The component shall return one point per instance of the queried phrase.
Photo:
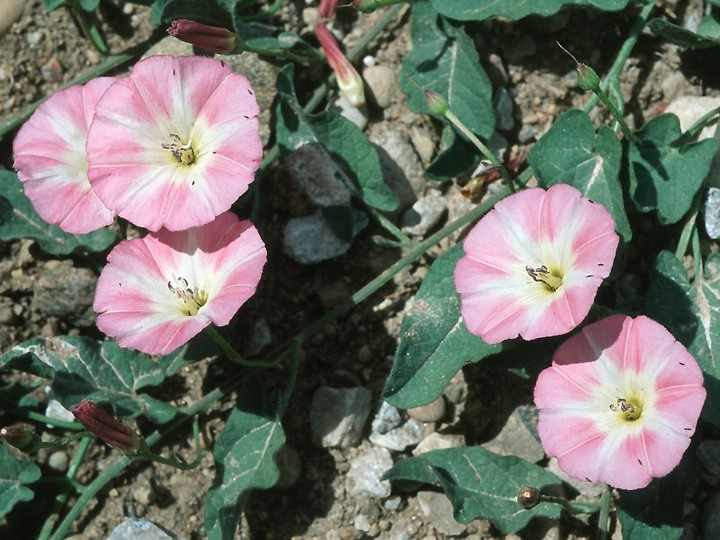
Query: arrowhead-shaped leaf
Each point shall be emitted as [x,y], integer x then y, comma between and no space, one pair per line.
[434,343]
[14,475]
[481,484]
[571,153]
[244,460]
[692,313]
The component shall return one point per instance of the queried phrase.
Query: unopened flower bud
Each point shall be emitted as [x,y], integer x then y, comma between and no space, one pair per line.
[21,437]
[588,79]
[210,38]
[327,8]
[528,497]
[436,103]
[107,428]
[349,81]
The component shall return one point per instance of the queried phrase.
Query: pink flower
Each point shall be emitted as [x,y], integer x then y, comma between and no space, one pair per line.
[213,39]
[533,264]
[620,402]
[50,159]
[349,81]
[175,143]
[157,292]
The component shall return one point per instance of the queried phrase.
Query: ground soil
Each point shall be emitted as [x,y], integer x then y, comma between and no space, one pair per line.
[41,52]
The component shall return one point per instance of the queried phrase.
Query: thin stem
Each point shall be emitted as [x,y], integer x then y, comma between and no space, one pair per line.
[294,368]
[623,53]
[480,146]
[697,254]
[369,6]
[571,508]
[389,226]
[62,497]
[266,13]
[616,114]
[42,419]
[604,516]
[687,231]
[232,354]
[693,130]
[181,463]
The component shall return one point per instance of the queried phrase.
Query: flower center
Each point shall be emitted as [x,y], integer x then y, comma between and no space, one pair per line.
[182,153]
[541,274]
[626,409]
[190,300]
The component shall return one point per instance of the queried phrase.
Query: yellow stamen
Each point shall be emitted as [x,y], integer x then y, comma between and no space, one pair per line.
[541,274]
[630,411]
[182,153]
[190,300]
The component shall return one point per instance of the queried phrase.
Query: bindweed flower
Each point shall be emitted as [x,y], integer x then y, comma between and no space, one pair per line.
[157,292]
[175,143]
[107,428]
[620,402]
[213,39]
[533,264]
[349,81]
[51,162]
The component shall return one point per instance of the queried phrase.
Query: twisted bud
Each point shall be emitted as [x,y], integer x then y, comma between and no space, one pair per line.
[213,39]
[107,428]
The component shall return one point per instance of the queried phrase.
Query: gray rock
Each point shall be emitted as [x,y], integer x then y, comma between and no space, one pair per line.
[396,146]
[689,109]
[711,213]
[386,419]
[425,214]
[361,523]
[310,239]
[312,168]
[58,460]
[439,441]
[55,410]
[382,83]
[10,13]
[423,143]
[64,291]
[404,436]
[138,529]
[258,338]
[337,416]
[289,466]
[366,470]
[438,509]
[503,105]
[708,454]
[527,133]
[519,436]
[710,521]
[432,412]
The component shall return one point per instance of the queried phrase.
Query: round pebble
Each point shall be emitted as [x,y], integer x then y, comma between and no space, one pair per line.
[58,461]
[432,412]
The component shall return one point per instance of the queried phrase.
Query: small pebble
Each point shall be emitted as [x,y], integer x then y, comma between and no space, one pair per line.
[432,412]
[58,461]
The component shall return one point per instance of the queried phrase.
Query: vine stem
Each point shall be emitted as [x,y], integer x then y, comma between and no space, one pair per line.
[604,516]
[623,53]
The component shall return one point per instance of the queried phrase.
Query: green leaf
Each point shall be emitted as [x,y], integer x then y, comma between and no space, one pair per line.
[103,373]
[89,5]
[656,512]
[434,343]
[710,26]
[343,140]
[571,153]
[680,36]
[244,459]
[456,155]
[444,60]
[478,10]
[481,484]
[14,475]
[664,175]
[692,314]
[52,5]
[214,12]
[19,220]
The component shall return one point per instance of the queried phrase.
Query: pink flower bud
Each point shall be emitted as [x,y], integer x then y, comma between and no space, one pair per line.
[107,428]
[327,8]
[210,38]
[349,81]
